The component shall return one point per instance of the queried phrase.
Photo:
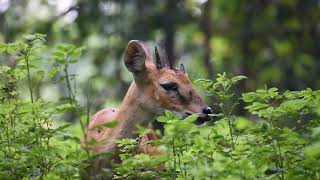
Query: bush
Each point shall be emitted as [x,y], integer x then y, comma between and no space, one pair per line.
[279,139]
[31,145]
[281,142]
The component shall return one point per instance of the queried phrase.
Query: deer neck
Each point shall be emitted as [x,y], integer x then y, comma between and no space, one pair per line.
[133,111]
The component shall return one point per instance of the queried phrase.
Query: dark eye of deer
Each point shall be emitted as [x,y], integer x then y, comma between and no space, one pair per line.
[170,86]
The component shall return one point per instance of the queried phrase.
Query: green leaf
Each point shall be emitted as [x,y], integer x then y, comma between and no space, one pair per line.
[30,37]
[242,123]
[238,78]
[62,127]
[169,114]
[53,71]
[111,124]
[249,97]
[40,73]
[4,69]
[3,47]
[65,107]
[72,61]
[69,137]
[63,47]
[162,119]
[191,118]
[257,106]
[205,83]
[58,54]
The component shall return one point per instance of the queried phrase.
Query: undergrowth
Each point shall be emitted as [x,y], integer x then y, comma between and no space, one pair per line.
[31,145]
[277,139]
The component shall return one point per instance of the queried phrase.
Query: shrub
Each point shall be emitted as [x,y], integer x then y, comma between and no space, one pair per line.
[278,139]
[278,144]
[31,146]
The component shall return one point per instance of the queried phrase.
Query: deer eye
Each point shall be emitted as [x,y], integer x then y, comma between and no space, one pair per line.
[170,86]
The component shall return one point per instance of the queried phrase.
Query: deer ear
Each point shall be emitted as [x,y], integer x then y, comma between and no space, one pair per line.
[135,57]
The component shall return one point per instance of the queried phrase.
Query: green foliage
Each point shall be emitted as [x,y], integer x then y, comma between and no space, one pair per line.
[32,146]
[267,147]
[279,139]
[135,165]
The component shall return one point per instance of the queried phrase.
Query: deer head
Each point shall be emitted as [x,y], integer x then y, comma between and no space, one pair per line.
[161,87]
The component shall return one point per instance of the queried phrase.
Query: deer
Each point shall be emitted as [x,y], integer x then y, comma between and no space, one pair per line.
[155,88]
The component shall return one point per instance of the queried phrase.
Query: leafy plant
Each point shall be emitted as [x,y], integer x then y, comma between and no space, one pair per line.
[279,138]
[30,145]
[280,142]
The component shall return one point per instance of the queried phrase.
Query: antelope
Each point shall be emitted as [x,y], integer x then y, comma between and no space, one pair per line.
[155,88]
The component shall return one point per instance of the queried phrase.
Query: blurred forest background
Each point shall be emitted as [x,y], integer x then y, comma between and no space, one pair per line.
[272,42]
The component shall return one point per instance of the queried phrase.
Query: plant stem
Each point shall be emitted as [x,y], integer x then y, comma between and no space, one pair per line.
[231,132]
[71,96]
[277,150]
[88,104]
[27,56]
[28,69]
[227,115]
[174,160]
[280,160]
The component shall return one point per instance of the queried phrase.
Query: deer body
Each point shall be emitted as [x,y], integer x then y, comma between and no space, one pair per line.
[131,112]
[155,88]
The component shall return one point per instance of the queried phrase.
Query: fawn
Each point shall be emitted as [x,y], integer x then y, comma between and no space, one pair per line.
[156,87]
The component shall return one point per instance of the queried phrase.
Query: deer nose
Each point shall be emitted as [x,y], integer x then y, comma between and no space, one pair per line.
[207,110]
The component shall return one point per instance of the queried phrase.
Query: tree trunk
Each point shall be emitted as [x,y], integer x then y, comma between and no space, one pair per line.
[207,32]
[169,30]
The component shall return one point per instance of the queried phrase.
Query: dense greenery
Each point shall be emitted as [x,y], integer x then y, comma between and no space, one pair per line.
[31,143]
[265,123]
[262,147]
[278,139]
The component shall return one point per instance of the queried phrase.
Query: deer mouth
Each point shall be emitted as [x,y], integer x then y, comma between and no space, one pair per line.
[202,118]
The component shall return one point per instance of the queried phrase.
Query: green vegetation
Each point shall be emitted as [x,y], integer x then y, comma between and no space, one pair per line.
[277,139]
[31,143]
[265,123]
[238,147]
